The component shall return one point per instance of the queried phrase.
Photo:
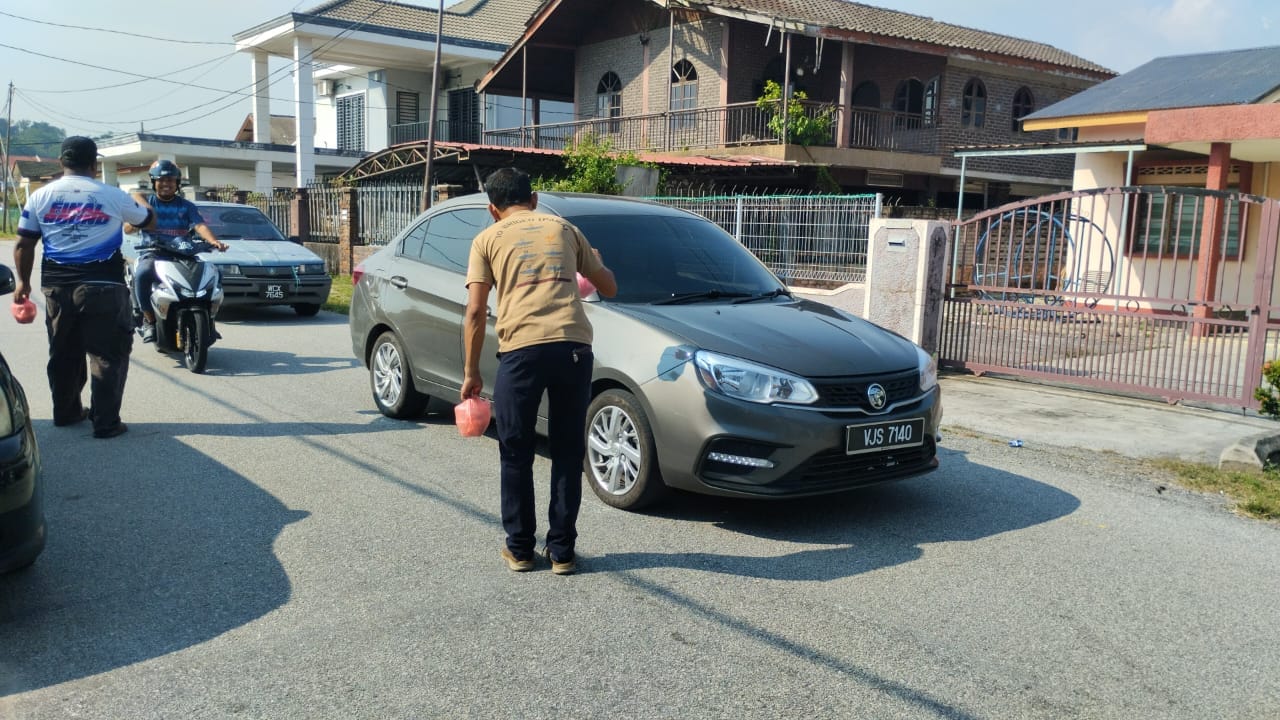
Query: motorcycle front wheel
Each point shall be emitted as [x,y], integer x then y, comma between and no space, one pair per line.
[195,340]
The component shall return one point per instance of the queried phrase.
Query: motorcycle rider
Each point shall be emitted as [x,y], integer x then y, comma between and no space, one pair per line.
[175,216]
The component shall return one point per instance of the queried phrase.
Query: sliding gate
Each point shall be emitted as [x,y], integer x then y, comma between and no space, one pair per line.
[1110,289]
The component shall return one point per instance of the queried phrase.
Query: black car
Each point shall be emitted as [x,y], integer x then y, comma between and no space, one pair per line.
[22,526]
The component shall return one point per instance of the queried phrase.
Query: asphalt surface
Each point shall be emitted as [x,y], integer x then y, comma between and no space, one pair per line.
[1043,415]
[264,544]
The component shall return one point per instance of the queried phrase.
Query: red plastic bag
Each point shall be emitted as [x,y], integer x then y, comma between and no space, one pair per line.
[585,288]
[24,312]
[472,416]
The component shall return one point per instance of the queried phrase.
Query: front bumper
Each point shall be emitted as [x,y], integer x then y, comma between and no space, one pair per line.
[804,448]
[241,290]
[22,527]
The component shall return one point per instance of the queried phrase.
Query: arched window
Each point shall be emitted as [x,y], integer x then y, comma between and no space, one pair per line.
[1023,104]
[974,111]
[930,106]
[609,99]
[684,95]
[908,100]
[867,95]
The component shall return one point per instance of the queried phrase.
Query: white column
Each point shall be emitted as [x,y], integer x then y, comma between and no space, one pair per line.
[261,100]
[262,176]
[304,112]
[109,176]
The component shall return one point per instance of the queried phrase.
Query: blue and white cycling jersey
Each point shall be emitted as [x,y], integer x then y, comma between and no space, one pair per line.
[79,219]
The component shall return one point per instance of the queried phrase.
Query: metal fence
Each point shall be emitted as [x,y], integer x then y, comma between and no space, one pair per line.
[799,237]
[323,205]
[386,210]
[276,207]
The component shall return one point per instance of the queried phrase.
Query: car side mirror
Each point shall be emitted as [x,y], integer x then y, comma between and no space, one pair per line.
[295,239]
[7,282]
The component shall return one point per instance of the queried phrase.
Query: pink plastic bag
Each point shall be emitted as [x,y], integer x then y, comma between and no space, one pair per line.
[585,288]
[24,312]
[472,416]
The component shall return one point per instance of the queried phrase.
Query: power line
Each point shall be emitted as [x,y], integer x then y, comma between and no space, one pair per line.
[115,32]
[220,58]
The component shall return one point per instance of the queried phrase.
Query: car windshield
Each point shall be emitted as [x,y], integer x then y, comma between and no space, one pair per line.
[239,223]
[658,258]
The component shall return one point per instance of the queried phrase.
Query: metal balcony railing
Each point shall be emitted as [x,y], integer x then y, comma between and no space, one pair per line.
[701,128]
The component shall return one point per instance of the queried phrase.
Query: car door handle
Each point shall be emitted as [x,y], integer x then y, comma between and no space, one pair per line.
[399,281]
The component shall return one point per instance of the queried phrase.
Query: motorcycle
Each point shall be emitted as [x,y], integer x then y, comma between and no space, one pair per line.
[185,296]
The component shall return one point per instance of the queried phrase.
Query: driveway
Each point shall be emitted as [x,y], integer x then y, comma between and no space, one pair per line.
[263,544]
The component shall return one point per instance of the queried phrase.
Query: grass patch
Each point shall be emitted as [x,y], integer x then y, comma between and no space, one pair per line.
[1256,492]
[339,295]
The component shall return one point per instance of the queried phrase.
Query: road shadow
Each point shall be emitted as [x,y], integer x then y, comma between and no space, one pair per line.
[226,360]
[144,557]
[863,530]
[276,316]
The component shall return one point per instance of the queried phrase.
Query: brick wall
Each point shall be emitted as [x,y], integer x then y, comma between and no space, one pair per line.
[698,42]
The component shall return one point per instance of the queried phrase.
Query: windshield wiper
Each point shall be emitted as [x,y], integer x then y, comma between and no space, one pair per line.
[695,296]
[764,296]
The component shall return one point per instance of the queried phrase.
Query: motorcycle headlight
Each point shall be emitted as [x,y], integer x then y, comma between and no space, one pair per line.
[745,380]
[229,269]
[928,366]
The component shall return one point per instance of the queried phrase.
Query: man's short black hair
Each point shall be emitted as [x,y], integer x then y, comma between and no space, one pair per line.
[508,186]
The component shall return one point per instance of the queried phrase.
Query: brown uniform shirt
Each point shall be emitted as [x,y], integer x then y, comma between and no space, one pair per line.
[531,259]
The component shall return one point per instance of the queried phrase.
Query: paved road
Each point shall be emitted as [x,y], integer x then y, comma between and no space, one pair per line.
[262,544]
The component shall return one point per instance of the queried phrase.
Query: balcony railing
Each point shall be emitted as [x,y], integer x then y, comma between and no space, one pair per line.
[717,127]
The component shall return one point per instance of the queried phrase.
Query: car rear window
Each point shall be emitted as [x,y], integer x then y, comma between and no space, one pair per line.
[654,257]
[241,223]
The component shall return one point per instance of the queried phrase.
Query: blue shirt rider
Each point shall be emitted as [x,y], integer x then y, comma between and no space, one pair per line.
[175,216]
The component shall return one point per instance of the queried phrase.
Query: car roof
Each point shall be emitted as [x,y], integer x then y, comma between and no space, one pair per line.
[576,204]
[210,203]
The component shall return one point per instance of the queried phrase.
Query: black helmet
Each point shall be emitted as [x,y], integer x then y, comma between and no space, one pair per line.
[165,168]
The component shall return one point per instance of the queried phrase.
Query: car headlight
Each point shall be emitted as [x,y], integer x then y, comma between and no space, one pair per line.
[10,416]
[928,366]
[229,269]
[311,269]
[748,381]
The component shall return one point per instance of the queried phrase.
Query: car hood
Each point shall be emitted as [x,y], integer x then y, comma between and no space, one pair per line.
[804,337]
[262,252]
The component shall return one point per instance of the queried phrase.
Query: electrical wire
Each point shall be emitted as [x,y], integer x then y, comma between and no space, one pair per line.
[115,32]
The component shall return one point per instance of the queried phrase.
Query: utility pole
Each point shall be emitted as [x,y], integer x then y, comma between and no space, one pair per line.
[431,114]
[7,175]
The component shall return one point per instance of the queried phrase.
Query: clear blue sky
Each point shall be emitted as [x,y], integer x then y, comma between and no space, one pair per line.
[1119,34]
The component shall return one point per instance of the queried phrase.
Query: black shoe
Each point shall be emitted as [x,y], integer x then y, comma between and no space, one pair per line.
[119,429]
[148,332]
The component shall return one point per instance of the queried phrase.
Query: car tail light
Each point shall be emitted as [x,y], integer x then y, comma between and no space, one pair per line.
[357,273]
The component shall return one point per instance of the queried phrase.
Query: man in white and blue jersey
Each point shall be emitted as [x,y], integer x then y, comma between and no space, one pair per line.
[79,222]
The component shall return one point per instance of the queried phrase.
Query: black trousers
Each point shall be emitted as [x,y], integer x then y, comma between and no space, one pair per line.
[563,371]
[93,319]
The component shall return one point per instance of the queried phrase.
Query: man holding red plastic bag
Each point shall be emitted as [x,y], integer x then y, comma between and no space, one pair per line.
[544,345]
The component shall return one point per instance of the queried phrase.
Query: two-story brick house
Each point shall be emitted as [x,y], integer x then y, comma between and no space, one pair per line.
[889,93]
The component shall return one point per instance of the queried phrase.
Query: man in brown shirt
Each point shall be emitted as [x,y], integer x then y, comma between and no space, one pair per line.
[544,345]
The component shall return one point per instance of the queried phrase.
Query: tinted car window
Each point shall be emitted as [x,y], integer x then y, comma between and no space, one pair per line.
[448,238]
[242,223]
[412,244]
[655,257]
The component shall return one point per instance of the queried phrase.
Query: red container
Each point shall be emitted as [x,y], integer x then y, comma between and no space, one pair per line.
[24,312]
[585,287]
[472,416]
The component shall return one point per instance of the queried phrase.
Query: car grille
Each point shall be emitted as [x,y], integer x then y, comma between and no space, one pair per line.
[852,392]
[833,470]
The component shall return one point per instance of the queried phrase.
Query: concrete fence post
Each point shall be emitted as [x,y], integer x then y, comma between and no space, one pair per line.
[300,216]
[348,228]
[906,276]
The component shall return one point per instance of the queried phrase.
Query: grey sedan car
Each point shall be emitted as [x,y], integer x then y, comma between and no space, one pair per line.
[709,376]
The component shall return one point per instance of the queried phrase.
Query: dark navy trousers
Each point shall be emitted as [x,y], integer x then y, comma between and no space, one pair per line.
[562,370]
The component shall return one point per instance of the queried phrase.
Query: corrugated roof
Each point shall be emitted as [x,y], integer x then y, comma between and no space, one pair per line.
[861,18]
[1232,77]
[499,22]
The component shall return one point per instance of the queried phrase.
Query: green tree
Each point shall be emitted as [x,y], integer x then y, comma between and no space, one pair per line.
[801,127]
[591,166]
[33,138]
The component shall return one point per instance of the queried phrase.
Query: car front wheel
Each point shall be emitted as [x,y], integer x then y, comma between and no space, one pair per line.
[621,459]
[306,309]
[392,381]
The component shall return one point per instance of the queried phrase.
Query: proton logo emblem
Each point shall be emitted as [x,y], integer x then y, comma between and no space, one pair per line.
[877,396]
